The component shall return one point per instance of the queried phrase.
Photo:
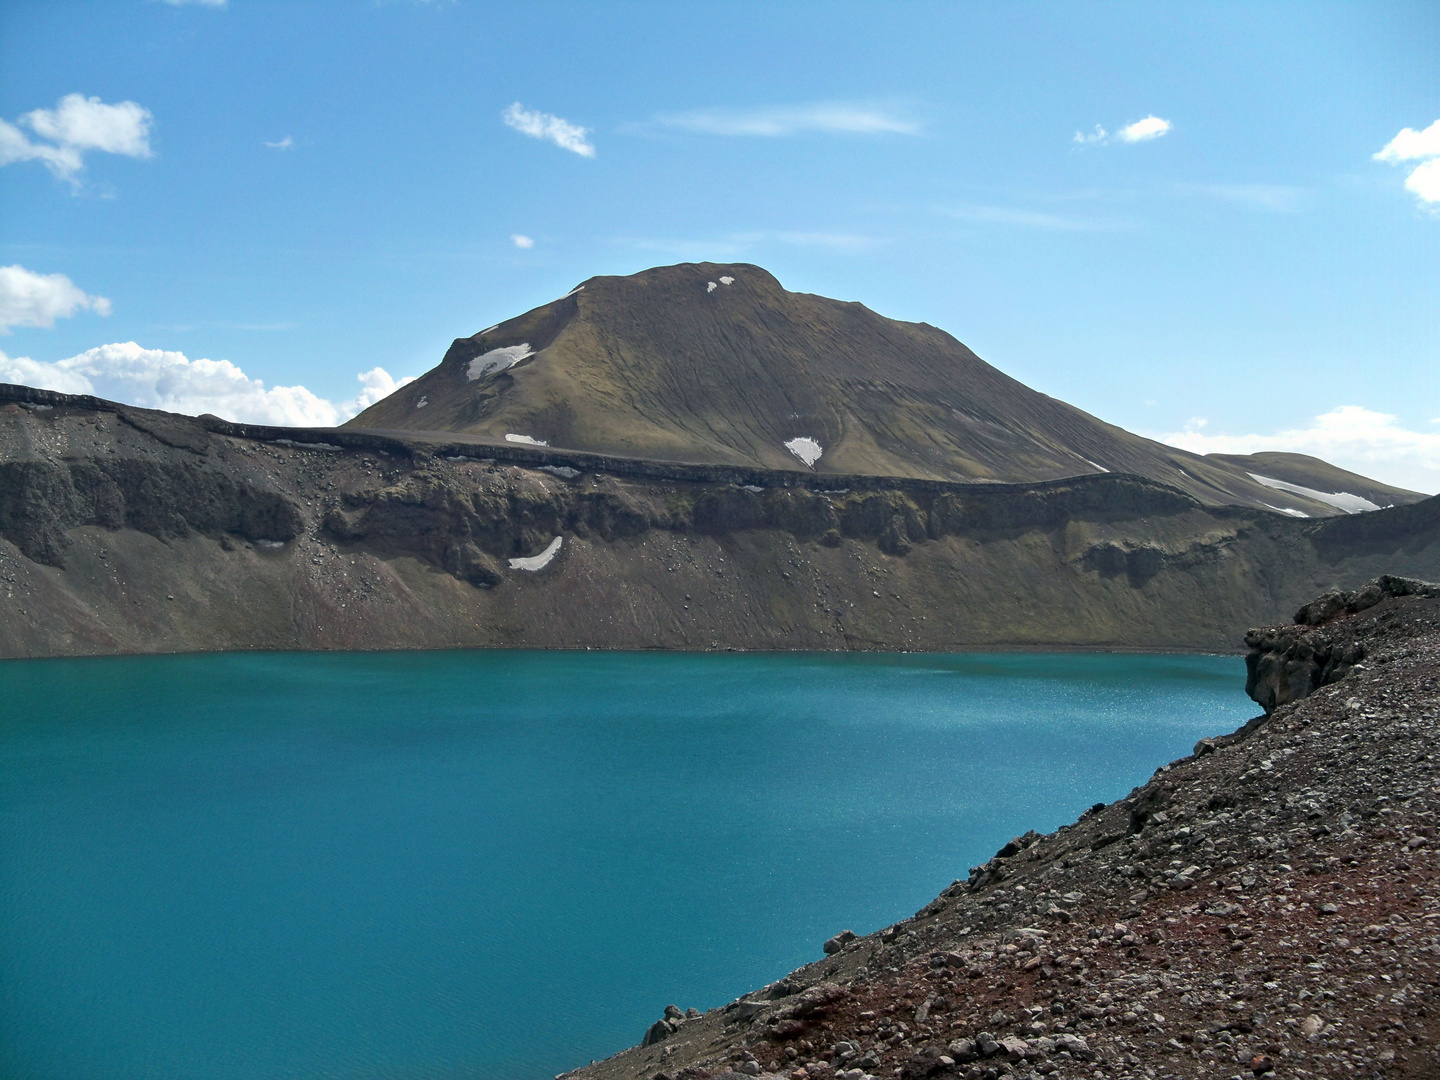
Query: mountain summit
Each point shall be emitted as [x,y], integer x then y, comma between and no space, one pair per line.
[718,363]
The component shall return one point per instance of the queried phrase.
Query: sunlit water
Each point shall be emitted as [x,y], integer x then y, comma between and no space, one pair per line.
[504,864]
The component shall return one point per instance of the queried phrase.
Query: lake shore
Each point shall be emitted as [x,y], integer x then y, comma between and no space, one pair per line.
[1264,906]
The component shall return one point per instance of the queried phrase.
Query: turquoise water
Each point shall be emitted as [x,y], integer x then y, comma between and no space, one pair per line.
[504,864]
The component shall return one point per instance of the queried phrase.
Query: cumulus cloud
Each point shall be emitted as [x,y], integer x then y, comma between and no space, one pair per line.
[75,126]
[31,299]
[779,121]
[1424,147]
[1350,436]
[539,125]
[159,379]
[1152,127]
[521,241]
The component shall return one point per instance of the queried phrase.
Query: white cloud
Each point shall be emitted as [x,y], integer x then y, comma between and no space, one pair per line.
[540,125]
[522,241]
[76,125]
[31,299]
[1152,127]
[1421,146]
[158,379]
[1355,438]
[284,144]
[1412,145]
[779,121]
[1099,135]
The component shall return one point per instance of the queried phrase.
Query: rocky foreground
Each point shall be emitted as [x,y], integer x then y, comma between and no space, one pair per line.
[1267,906]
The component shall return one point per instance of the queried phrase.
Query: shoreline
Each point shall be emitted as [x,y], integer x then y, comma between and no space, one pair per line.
[1265,906]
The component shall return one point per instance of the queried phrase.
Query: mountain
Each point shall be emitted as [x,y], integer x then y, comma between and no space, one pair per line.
[716,363]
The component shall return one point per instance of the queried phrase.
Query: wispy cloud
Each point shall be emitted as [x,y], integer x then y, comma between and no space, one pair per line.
[539,125]
[522,241]
[284,144]
[1421,146]
[74,127]
[737,245]
[160,379]
[1355,438]
[1029,219]
[31,299]
[779,121]
[1275,198]
[1152,127]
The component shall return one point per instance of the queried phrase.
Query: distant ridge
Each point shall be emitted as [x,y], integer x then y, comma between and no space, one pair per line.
[719,364]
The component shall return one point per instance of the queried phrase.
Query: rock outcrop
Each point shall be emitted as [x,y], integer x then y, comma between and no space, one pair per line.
[1286,663]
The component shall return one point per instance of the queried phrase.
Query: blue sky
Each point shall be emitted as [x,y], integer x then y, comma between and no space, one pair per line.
[301,193]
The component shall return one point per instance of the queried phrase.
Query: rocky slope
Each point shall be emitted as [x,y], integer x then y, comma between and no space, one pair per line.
[1267,906]
[720,364]
[126,530]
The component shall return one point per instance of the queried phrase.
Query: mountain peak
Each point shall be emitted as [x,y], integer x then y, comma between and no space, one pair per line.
[719,363]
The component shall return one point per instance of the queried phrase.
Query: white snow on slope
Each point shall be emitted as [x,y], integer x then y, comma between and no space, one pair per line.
[1341,500]
[1285,510]
[710,286]
[497,360]
[526,439]
[538,562]
[572,292]
[806,449]
[727,280]
[1093,465]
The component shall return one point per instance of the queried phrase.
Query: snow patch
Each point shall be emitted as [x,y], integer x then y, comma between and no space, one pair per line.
[806,449]
[1093,465]
[754,489]
[497,360]
[538,562]
[562,471]
[572,292]
[727,280]
[526,439]
[1341,500]
[710,286]
[270,545]
[422,402]
[1285,510]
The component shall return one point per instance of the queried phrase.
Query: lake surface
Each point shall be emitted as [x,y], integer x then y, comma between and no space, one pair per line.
[504,864]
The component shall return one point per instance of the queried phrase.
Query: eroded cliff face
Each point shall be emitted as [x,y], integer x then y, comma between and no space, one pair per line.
[1287,663]
[126,530]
